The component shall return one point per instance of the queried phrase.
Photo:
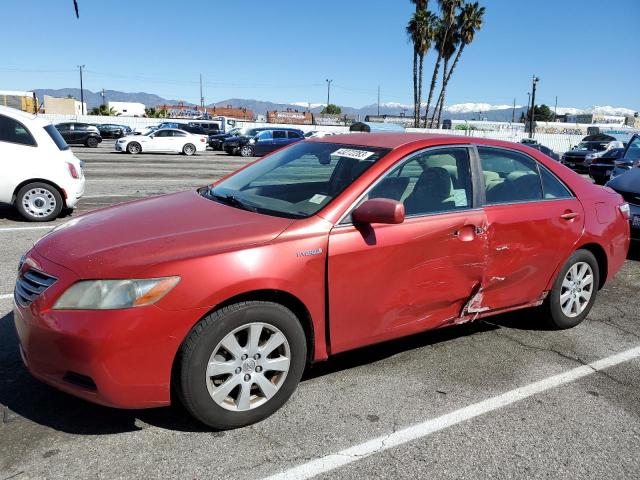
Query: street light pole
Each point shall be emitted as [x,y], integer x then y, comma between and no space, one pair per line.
[378,100]
[328,91]
[81,90]
[532,116]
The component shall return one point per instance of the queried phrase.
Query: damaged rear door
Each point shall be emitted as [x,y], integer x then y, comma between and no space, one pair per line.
[387,281]
[533,223]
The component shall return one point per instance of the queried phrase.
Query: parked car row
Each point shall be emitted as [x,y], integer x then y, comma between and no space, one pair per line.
[260,141]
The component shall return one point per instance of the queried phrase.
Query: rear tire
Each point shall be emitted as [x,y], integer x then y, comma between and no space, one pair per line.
[573,292]
[92,142]
[226,380]
[39,202]
[189,149]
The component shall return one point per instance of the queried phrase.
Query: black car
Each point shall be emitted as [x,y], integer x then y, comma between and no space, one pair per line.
[261,141]
[210,128]
[216,140]
[80,134]
[628,185]
[601,168]
[111,130]
[576,159]
[192,128]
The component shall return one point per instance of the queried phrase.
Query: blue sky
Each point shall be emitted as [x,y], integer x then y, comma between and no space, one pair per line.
[584,51]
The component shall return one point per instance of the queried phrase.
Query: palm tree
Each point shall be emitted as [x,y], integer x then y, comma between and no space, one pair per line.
[103,110]
[420,30]
[469,21]
[447,20]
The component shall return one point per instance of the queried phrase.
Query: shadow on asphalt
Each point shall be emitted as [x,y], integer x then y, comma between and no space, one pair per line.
[27,397]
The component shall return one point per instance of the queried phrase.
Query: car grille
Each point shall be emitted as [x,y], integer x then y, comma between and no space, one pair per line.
[31,284]
[571,159]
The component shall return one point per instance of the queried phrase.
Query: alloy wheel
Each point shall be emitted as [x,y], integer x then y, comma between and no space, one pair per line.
[577,289]
[248,367]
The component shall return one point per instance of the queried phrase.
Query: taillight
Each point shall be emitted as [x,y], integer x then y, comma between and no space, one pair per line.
[625,210]
[72,170]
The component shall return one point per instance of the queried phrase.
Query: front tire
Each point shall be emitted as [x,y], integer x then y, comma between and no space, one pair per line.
[240,364]
[574,291]
[246,151]
[134,148]
[39,202]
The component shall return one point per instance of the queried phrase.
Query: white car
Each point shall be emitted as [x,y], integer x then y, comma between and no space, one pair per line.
[166,140]
[40,174]
[319,134]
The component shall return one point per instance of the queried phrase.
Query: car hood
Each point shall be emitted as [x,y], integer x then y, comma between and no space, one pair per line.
[627,182]
[219,136]
[122,241]
[238,138]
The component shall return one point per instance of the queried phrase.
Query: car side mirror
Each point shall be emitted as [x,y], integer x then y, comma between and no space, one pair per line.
[379,210]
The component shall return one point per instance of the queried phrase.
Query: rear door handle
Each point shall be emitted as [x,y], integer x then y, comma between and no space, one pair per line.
[569,215]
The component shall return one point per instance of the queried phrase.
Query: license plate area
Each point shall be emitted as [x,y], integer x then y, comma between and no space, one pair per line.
[635,221]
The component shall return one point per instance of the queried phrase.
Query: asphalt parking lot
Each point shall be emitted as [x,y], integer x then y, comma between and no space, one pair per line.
[383,411]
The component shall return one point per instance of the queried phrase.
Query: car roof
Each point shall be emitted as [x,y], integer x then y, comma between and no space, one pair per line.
[22,116]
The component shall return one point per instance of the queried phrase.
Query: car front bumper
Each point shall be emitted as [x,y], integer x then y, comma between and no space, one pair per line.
[577,165]
[117,358]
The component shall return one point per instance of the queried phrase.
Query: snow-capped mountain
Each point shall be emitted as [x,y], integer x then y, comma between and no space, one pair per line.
[308,105]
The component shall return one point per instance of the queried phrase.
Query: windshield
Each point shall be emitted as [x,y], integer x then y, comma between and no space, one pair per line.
[234,131]
[298,181]
[592,146]
[56,137]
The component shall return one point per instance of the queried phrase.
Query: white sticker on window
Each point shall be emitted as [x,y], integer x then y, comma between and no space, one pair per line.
[317,198]
[460,198]
[353,153]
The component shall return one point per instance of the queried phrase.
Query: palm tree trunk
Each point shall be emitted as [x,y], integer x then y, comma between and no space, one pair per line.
[415,87]
[434,79]
[419,102]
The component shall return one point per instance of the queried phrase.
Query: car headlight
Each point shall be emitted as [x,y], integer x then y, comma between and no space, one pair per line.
[115,294]
[252,141]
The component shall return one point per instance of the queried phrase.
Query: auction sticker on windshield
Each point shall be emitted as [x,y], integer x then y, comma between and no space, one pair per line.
[352,153]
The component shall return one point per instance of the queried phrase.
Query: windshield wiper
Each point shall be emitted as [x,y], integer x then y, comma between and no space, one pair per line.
[232,200]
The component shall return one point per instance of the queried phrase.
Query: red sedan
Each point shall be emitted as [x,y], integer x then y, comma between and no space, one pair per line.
[224,294]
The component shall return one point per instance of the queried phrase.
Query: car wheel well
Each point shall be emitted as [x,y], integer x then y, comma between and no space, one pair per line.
[276,296]
[601,258]
[39,180]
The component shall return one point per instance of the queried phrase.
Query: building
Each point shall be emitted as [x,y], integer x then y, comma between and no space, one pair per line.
[25,101]
[63,106]
[128,109]
[192,111]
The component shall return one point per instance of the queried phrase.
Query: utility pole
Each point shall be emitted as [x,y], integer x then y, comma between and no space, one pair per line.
[555,109]
[532,116]
[513,112]
[378,100]
[201,96]
[104,97]
[81,90]
[328,90]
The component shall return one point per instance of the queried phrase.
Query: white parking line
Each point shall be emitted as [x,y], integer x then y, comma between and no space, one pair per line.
[17,229]
[400,437]
[4,297]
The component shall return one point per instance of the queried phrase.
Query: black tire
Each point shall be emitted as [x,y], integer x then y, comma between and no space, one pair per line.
[189,149]
[190,372]
[555,316]
[134,148]
[31,195]
[246,151]
[92,142]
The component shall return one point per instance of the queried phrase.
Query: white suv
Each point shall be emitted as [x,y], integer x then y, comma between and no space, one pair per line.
[40,175]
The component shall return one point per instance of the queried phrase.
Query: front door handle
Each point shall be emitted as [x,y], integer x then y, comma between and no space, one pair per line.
[569,215]
[466,233]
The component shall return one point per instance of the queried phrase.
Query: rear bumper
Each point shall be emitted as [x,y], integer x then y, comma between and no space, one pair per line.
[74,192]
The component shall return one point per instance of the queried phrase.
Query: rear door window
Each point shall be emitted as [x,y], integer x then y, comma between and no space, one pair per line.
[12,131]
[552,187]
[509,176]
